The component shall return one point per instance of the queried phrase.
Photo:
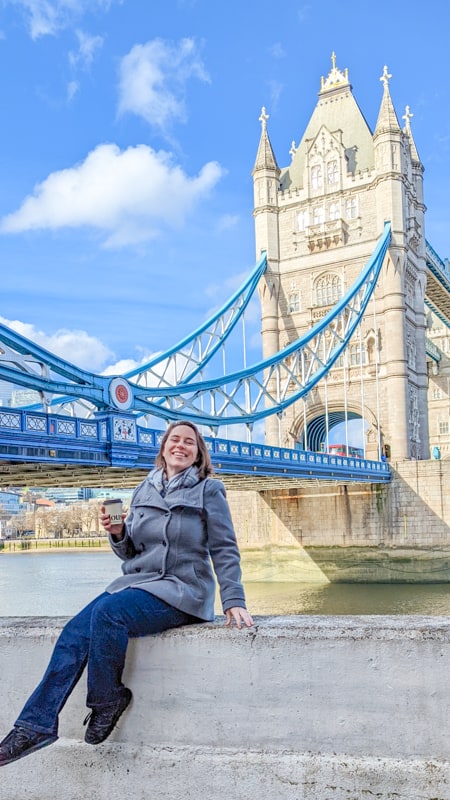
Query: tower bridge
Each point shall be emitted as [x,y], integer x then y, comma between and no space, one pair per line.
[355,317]
[318,219]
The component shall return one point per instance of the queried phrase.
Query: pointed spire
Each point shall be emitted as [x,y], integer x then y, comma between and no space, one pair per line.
[387,118]
[407,116]
[335,79]
[265,158]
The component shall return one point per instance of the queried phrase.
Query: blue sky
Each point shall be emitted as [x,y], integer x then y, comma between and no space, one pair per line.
[129,133]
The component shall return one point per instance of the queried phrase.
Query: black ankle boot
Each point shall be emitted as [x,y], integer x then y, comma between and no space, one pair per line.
[21,742]
[102,720]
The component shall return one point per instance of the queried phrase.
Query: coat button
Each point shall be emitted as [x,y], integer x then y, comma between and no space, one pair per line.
[164,544]
[160,571]
[138,569]
[141,514]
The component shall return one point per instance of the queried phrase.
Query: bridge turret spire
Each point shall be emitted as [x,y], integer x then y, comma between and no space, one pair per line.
[387,118]
[265,157]
[407,116]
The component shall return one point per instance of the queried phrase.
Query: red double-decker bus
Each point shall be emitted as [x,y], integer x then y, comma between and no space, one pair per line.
[345,450]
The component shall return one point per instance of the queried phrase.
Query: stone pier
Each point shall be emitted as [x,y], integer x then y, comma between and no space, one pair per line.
[393,533]
[298,708]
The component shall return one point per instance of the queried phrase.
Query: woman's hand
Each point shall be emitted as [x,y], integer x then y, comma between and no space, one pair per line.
[116,531]
[239,615]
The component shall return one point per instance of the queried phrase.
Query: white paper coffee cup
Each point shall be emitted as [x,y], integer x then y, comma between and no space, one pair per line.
[114,508]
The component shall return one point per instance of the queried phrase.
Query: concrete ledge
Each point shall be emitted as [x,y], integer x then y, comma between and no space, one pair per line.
[73,771]
[299,707]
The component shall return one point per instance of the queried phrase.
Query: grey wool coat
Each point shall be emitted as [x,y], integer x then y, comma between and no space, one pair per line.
[169,543]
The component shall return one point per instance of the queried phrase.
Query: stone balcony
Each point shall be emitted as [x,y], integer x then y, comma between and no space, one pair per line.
[326,235]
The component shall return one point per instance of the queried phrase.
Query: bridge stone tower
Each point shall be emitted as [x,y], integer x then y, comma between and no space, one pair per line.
[319,220]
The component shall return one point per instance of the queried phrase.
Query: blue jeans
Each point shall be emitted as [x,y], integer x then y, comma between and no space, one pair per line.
[97,636]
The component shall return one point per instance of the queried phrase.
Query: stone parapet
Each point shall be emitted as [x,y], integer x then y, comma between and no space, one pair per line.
[295,709]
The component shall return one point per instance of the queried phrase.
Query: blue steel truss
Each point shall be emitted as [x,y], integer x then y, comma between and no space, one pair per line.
[159,390]
[190,356]
[24,363]
[274,384]
[186,359]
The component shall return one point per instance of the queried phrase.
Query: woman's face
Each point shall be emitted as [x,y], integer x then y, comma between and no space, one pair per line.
[180,451]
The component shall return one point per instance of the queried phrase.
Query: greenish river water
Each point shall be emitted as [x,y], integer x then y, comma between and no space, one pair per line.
[49,584]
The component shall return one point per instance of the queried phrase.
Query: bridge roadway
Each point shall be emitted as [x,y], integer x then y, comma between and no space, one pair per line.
[38,449]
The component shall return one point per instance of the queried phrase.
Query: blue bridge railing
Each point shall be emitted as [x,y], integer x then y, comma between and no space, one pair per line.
[115,440]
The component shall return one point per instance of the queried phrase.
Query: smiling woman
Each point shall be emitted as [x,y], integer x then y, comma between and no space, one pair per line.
[179,522]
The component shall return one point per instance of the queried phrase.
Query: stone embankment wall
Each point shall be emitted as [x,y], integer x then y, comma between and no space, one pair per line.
[298,708]
[357,532]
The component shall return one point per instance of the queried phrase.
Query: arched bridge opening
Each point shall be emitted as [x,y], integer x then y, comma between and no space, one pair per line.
[329,430]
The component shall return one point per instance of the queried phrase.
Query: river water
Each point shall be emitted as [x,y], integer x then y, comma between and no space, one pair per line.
[59,584]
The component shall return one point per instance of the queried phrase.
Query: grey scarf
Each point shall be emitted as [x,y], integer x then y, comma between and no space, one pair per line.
[163,485]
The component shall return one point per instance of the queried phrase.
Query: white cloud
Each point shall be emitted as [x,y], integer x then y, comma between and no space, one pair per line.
[75,346]
[124,365]
[80,348]
[48,17]
[220,291]
[277,50]
[130,195]
[227,222]
[82,59]
[303,13]
[72,89]
[275,91]
[153,78]
[87,46]
[43,18]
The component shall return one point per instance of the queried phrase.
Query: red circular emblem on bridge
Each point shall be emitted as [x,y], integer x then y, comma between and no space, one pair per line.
[120,393]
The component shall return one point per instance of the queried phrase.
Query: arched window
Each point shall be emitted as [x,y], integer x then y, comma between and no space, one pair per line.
[328,289]
[332,172]
[316,177]
[294,302]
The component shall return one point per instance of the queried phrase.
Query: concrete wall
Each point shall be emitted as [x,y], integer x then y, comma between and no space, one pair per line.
[298,708]
[357,532]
